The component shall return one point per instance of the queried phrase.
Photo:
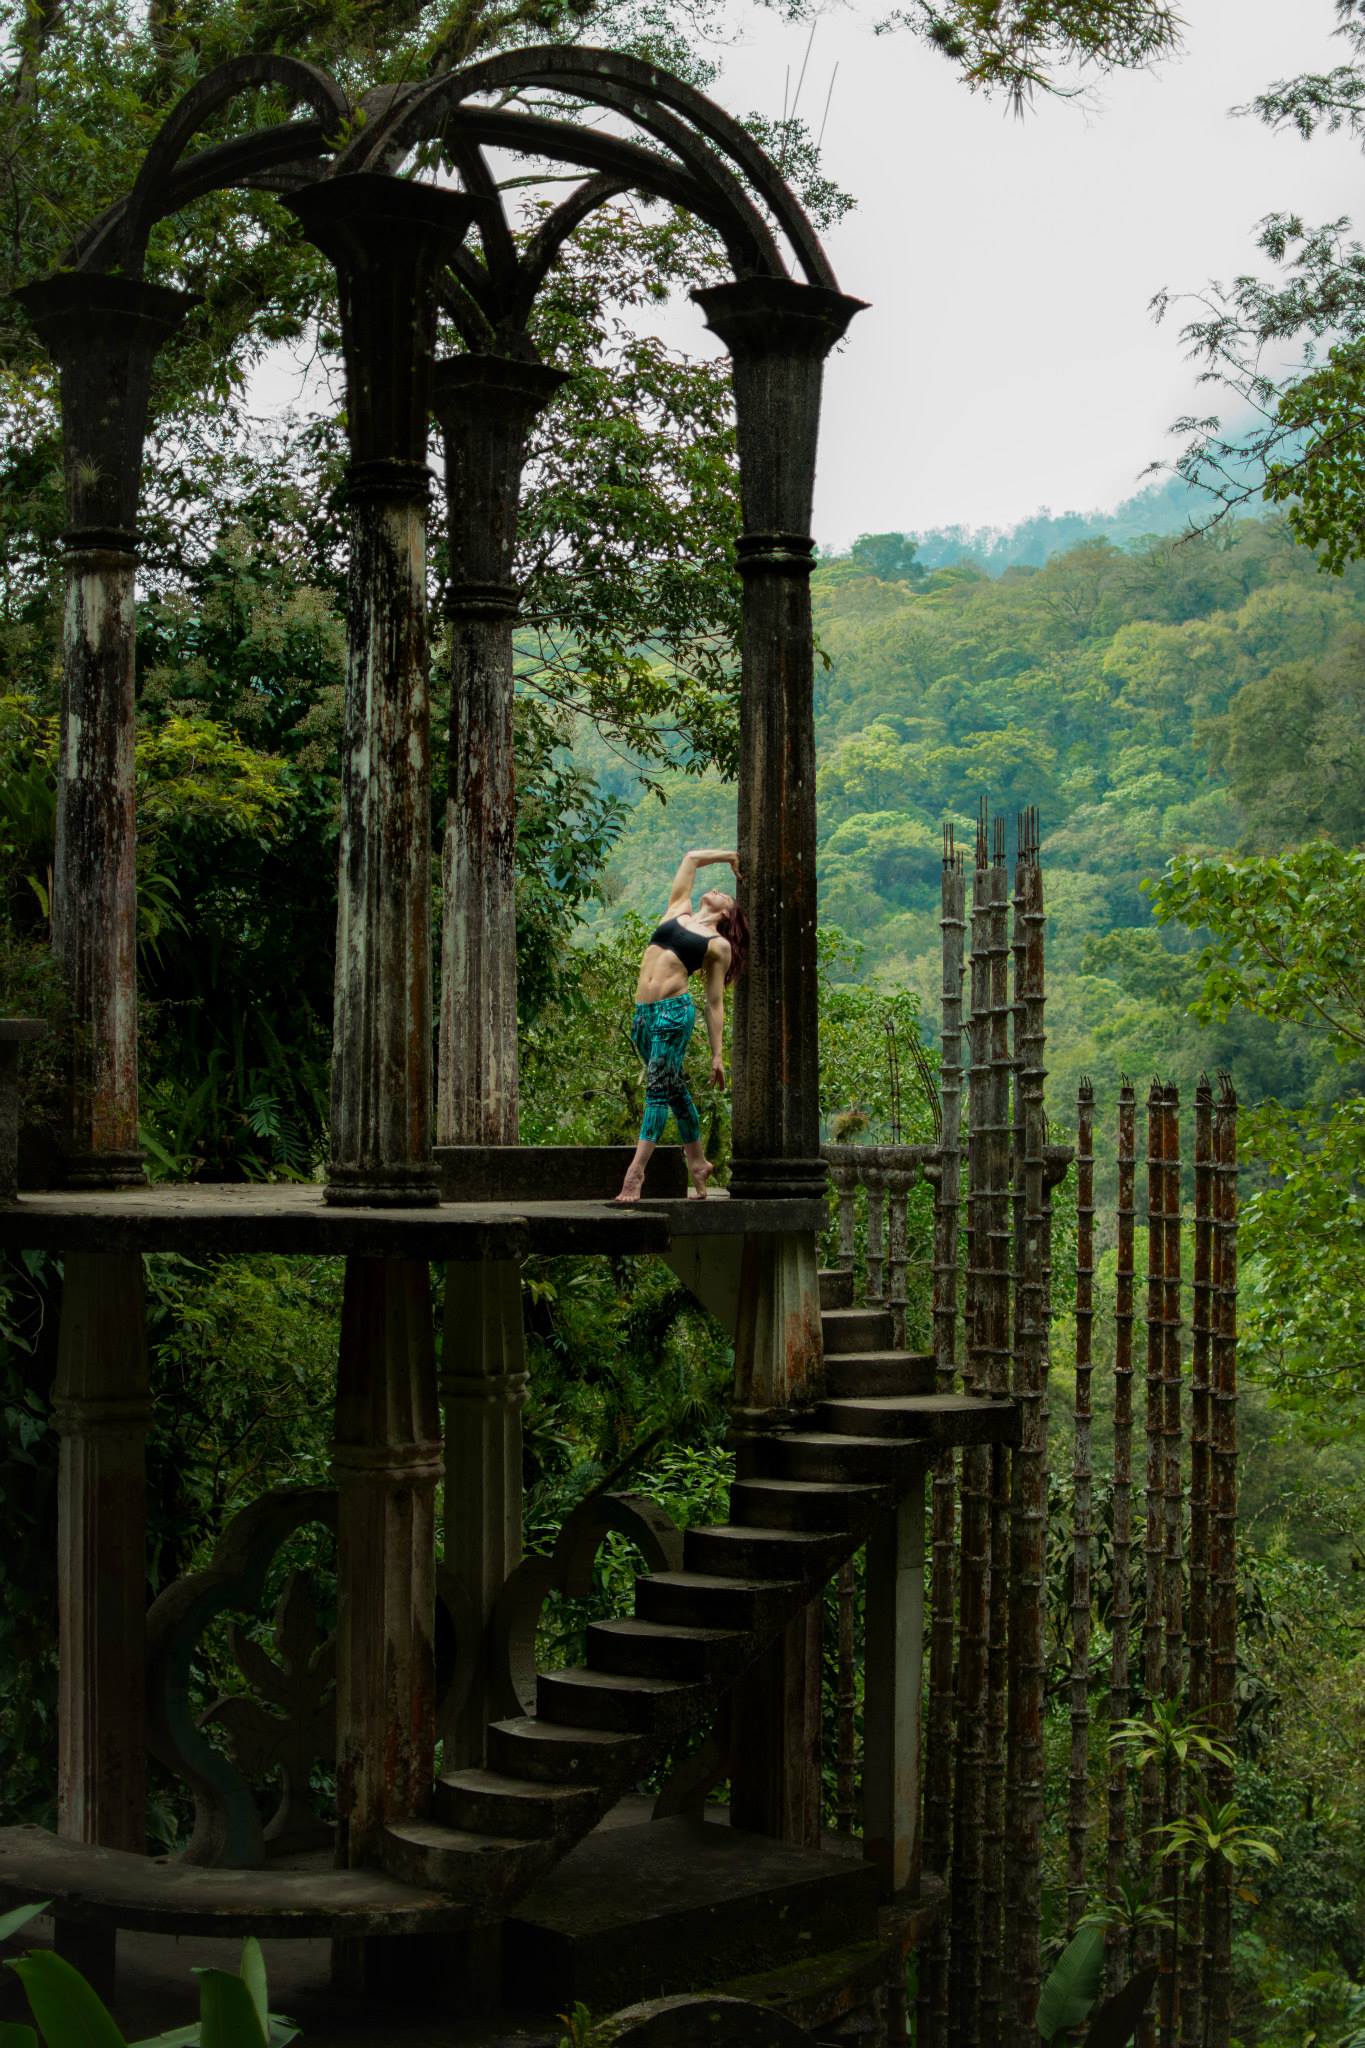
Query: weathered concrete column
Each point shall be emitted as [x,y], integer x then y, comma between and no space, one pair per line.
[103,333]
[486,406]
[103,1406]
[892,1667]
[387,1458]
[483,1391]
[778,334]
[386,239]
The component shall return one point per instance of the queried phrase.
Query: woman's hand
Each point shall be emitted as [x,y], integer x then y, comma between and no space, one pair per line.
[717,1073]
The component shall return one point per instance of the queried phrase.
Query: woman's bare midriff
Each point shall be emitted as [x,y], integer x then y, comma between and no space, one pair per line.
[662,974]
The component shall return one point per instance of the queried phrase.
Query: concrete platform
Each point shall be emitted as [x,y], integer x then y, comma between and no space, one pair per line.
[208,1220]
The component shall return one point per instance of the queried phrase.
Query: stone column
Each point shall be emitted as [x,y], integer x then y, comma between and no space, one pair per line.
[486,406]
[386,239]
[103,333]
[387,1458]
[893,1664]
[778,334]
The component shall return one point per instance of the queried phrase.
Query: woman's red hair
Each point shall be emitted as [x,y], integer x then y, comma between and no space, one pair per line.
[734,926]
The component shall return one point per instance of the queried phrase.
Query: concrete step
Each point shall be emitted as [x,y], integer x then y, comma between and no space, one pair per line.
[763,1553]
[678,1905]
[483,1869]
[840,1459]
[851,1373]
[799,1504]
[836,1287]
[930,1418]
[856,1329]
[704,1600]
[560,1753]
[490,1803]
[651,1649]
[580,1698]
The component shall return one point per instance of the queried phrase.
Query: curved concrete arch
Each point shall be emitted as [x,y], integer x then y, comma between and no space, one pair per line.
[645,93]
[151,189]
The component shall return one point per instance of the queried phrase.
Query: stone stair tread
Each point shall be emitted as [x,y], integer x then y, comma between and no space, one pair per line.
[911,1405]
[582,1675]
[687,1632]
[434,1834]
[498,1784]
[779,1538]
[534,1727]
[703,1581]
[818,1486]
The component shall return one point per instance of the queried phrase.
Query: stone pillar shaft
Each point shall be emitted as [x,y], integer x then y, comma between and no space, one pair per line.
[483,1391]
[486,406]
[386,239]
[103,333]
[893,1661]
[778,334]
[388,1458]
[103,1407]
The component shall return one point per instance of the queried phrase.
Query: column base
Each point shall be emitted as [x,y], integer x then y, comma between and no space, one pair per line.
[383,1187]
[778,1179]
[103,1170]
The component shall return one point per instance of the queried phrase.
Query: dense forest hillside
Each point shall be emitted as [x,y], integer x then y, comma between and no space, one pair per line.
[1176,697]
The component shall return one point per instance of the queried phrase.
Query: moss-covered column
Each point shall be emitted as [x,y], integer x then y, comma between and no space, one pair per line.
[486,406]
[778,334]
[103,333]
[386,239]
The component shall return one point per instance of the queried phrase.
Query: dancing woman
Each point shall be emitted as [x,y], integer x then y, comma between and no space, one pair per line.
[713,939]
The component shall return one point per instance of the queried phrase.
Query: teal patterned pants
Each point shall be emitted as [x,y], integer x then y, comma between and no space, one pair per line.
[660,1033]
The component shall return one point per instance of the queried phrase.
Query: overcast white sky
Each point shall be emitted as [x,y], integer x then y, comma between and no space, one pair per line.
[1009,361]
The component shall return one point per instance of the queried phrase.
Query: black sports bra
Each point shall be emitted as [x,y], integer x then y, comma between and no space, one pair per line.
[689,947]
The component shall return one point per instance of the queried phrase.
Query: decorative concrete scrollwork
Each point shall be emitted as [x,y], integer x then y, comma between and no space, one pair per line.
[568,1569]
[286,1722]
[228,1831]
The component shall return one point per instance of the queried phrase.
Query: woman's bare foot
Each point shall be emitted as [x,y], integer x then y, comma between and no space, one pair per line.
[632,1187]
[700,1176]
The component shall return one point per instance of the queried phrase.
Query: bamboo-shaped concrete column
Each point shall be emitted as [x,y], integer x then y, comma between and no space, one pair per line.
[1029,1497]
[1078,1826]
[386,239]
[945,1171]
[1201,1323]
[1222,1548]
[485,406]
[1120,1625]
[974,1537]
[778,334]
[994,1353]
[104,333]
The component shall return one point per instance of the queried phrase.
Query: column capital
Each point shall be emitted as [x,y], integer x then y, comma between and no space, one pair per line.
[386,238]
[776,316]
[103,333]
[516,385]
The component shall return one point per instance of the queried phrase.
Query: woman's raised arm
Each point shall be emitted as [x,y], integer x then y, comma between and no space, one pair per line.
[702,857]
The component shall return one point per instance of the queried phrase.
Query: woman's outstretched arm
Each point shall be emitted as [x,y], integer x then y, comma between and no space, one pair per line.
[703,857]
